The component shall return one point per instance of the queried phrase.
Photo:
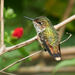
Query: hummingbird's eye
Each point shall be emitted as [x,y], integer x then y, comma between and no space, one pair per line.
[39,23]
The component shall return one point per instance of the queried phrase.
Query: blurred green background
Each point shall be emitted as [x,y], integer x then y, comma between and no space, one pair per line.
[53,9]
[14,12]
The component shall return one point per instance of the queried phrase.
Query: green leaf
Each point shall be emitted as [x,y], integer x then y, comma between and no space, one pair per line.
[63,64]
[10,13]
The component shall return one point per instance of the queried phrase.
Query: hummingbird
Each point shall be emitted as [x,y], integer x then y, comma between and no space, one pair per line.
[47,36]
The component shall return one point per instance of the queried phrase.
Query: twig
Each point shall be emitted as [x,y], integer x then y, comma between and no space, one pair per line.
[2,23]
[19,60]
[67,38]
[2,46]
[19,45]
[7,73]
[58,26]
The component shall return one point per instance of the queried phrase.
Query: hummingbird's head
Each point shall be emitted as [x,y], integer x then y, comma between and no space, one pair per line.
[41,23]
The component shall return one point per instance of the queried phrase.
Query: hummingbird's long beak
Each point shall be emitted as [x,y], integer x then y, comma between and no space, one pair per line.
[29,18]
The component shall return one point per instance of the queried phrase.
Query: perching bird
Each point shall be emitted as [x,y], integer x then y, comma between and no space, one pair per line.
[47,36]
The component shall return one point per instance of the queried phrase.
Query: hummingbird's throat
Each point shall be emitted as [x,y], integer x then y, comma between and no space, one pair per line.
[38,28]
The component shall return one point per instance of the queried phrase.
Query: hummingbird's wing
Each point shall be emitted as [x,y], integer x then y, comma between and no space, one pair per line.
[44,44]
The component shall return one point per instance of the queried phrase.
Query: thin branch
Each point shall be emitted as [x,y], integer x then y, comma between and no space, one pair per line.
[58,26]
[7,73]
[66,38]
[19,45]
[2,23]
[22,44]
[19,61]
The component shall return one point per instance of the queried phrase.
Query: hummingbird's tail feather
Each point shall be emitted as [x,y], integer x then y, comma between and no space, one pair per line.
[56,54]
[58,58]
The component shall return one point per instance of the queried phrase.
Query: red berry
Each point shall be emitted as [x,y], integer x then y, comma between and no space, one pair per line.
[18,32]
